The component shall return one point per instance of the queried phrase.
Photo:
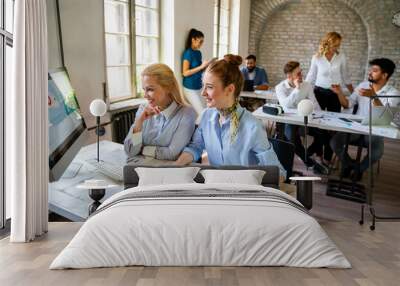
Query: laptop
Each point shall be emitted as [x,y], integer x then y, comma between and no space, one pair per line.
[248,85]
[381,115]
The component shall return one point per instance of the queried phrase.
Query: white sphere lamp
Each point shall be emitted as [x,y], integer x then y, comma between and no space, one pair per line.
[98,108]
[305,108]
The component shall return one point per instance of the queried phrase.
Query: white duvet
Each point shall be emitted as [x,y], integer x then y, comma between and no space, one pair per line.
[200,231]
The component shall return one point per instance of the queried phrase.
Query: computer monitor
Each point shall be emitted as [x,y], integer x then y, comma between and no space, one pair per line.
[248,85]
[67,128]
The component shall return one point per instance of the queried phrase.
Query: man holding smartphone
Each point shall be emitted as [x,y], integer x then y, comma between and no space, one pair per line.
[380,71]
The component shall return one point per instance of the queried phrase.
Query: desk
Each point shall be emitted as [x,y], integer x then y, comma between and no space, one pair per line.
[330,121]
[267,95]
[251,100]
[66,199]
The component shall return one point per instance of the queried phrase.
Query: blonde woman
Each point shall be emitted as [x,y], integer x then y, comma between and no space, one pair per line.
[163,126]
[329,69]
[230,134]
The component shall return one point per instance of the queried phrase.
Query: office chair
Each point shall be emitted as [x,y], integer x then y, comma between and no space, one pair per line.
[285,152]
[340,188]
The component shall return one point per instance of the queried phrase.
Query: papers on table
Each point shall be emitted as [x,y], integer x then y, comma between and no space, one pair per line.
[330,121]
[116,157]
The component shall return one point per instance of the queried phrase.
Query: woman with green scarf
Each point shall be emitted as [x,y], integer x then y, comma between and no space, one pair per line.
[230,134]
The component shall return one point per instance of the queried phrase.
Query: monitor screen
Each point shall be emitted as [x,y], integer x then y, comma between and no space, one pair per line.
[65,121]
[248,85]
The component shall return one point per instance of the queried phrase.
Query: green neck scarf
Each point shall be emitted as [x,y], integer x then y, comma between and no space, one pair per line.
[232,111]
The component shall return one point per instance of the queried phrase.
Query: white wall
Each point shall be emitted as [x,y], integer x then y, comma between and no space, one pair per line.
[244,27]
[82,28]
[167,32]
[178,17]
[176,21]
[234,27]
[54,50]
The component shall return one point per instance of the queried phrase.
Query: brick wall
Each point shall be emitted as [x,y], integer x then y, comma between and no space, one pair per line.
[290,30]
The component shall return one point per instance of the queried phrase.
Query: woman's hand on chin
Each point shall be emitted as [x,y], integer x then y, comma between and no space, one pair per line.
[149,111]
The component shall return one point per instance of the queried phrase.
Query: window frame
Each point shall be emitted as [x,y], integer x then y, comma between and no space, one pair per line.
[131,58]
[135,93]
[219,27]
[139,93]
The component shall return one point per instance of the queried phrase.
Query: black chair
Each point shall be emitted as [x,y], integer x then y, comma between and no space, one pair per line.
[285,152]
[341,188]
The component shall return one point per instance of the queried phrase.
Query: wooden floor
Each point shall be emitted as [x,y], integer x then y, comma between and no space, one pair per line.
[386,193]
[374,255]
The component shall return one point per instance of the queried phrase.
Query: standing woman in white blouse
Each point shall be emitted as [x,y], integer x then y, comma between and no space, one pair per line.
[329,68]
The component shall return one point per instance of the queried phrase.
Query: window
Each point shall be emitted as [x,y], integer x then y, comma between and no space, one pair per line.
[147,16]
[123,69]
[6,43]
[118,49]
[221,27]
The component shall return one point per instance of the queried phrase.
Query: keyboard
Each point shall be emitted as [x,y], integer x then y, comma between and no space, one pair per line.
[115,172]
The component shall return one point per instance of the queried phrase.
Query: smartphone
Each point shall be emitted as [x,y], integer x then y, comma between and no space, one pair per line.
[345,120]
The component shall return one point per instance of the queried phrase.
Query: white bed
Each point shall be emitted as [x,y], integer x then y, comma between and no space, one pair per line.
[224,225]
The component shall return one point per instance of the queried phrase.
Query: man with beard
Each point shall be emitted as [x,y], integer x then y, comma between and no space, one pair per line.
[378,76]
[254,73]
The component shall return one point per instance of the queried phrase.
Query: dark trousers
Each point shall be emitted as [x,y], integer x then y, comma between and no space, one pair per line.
[338,143]
[321,138]
[327,99]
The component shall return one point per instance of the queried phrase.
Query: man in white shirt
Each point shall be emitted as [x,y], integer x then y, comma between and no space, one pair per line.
[293,89]
[378,76]
[290,92]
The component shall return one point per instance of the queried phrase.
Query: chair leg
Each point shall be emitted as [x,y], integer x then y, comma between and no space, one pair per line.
[271,128]
[345,151]
[333,164]
[358,162]
[378,169]
[347,190]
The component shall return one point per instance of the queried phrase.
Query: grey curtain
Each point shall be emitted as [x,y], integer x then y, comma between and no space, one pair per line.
[27,124]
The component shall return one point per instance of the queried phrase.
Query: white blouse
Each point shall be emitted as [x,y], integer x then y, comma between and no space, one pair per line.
[324,73]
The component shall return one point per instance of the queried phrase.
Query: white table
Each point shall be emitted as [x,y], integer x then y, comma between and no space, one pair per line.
[330,121]
[65,197]
[268,95]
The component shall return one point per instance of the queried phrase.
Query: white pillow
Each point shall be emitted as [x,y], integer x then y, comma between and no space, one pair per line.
[166,176]
[248,177]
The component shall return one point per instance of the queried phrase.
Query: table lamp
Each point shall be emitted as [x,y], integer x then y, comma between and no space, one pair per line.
[98,108]
[305,108]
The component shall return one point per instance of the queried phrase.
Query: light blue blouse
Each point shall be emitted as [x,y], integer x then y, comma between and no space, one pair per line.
[251,146]
[169,132]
